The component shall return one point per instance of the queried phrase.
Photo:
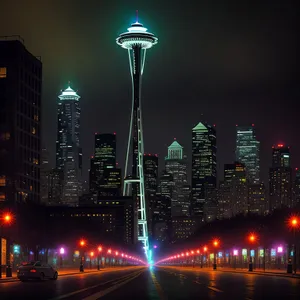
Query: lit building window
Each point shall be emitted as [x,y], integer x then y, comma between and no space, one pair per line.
[33,131]
[3,72]
[2,181]
[2,197]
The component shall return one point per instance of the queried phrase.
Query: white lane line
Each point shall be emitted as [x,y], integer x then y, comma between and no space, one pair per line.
[89,288]
[215,289]
[110,289]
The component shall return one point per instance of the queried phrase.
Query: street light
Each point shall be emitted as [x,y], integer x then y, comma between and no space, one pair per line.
[294,223]
[252,238]
[82,244]
[98,259]
[216,244]
[6,219]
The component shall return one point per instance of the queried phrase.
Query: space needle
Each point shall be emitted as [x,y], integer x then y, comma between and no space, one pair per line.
[136,40]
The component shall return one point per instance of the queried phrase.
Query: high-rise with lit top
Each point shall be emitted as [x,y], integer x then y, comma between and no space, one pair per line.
[136,40]
[68,150]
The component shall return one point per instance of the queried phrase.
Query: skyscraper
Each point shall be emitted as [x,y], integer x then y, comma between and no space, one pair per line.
[151,179]
[20,122]
[247,152]
[175,164]
[104,176]
[280,178]
[68,150]
[137,40]
[204,165]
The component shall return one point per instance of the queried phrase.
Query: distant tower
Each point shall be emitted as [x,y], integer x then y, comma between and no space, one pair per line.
[247,152]
[175,164]
[68,150]
[137,40]
[204,165]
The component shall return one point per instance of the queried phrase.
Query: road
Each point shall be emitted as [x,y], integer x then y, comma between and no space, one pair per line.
[155,284]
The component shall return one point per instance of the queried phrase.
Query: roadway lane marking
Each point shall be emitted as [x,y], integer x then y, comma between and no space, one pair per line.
[92,287]
[215,289]
[157,286]
[111,289]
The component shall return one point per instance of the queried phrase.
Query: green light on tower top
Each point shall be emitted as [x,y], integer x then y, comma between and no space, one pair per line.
[69,94]
[137,35]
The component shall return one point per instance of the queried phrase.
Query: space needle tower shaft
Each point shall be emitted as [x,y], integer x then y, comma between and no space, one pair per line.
[136,40]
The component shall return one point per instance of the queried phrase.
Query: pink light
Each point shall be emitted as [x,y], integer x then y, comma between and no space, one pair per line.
[62,251]
[280,249]
[235,252]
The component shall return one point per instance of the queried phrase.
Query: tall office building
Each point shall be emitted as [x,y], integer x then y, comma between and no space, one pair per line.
[176,165]
[204,165]
[296,188]
[44,170]
[68,150]
[247,152]
[105,177]
[151,180]
[162,220]
[257,203]
[235,177]
[280,178]
[20,122]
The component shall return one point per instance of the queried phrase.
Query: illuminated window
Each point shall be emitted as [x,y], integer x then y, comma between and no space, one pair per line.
[36,117]
[3,72]
[2,197]
[2,181]
[35,161]
[33,131]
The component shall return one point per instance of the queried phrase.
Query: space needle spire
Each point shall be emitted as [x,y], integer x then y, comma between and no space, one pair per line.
[136,40]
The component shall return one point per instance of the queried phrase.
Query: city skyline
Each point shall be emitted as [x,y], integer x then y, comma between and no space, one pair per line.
[192,77]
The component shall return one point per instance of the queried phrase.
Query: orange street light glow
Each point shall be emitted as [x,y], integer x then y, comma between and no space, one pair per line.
[294,222]
[252,237]
[7,218]
[99,248]
[92,253]
[216,243]
[204,248]
[82,243]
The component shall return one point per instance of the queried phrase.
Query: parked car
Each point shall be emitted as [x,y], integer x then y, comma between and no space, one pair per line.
[36,270]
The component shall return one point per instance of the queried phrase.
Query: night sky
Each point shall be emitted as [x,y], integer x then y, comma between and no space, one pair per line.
[227,64]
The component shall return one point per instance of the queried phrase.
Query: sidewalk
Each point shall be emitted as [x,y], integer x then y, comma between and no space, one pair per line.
[68,271]
[268,272]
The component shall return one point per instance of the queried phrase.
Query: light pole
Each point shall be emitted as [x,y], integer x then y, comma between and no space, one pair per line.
[6,219]
[82,244]
[61,252]
[91,257]
[216,244]
[294,223]
[98,259]
[252,239]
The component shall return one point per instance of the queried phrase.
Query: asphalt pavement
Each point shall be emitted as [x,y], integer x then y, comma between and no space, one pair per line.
[159,283]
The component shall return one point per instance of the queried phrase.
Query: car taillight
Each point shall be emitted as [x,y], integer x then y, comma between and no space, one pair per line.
[33,270]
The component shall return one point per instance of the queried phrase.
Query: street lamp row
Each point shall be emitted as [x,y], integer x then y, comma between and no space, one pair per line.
[293,222]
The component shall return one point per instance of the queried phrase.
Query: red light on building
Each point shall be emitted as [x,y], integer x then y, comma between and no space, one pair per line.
[115,133]
[280,145]
[252,125]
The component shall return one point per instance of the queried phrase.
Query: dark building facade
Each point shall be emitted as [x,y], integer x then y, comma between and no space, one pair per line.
[102,179]
[247,152]
[108,219]
[204,165]
[20,122]
[280,178]
[151,180]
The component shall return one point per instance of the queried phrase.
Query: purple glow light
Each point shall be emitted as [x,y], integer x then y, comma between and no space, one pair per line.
[62,251]
[280,249]
[235,252]
[154,246]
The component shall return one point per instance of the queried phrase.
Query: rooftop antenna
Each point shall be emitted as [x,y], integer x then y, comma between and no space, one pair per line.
[137,16]
[69,83]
